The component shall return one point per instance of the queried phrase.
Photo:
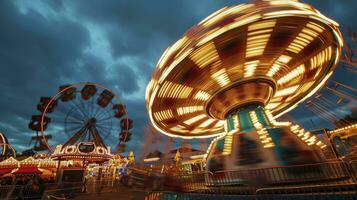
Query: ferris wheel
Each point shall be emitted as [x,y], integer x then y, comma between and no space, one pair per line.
[82,118]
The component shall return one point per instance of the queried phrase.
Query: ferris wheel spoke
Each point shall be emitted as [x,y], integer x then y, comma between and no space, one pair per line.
[105,112]
[80,110]
[60,110]
[73,122]
[111,127]
[101,113]
[84,109]
[104,127]
[107,118]
[92,106]
[104,132]
[73,128]
[106,122]
[96,111]
[70,114]
[75,117]
[64,122]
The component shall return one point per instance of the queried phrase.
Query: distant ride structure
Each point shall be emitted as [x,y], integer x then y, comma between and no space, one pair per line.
[6,149]
[234,73]
[85,121]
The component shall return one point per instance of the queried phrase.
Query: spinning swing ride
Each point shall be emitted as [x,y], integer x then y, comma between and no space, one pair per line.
[234,73]
[83,121]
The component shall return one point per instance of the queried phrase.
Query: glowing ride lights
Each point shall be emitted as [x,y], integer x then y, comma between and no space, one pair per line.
[230,74]
[343,131]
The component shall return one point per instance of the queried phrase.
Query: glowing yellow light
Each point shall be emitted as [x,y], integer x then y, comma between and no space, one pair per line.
[272,105]
[207,123]
[163,115]
[321,58]
[189,109]
[174,90]
[287,13]
[262,132]
[221,77]
[282,60]
[293,74]
[228,142]
[286,91]
[205,55]
[212,18]
[194,119]
[343,129]
[315,27]
[167,70]
[170,50]
[163,58]
[307,35]
[149,88]
[249,68]
[242,21]
[219,31]
[262,25]
[201,95]
[294,3]
[236,122]
[256,40]
[178,129]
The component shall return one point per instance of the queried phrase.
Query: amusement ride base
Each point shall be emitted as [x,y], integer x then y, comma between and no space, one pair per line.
[253,141]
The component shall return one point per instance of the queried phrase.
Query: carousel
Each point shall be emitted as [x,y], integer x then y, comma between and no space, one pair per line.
[230,77]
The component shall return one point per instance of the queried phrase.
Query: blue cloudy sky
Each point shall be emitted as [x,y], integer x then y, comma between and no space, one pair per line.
[45,44]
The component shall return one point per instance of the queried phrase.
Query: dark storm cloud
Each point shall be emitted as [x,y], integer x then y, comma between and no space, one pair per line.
[144,28]
[34,54]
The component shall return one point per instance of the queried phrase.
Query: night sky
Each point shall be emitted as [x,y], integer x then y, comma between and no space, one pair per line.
[45,44]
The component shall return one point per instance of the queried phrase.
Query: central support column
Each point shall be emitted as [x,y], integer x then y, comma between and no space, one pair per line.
[240,119]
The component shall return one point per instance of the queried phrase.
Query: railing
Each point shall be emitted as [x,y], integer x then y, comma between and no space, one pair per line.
[335,189]
[165,195]
[279,175]
[248,181]
[353,167]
